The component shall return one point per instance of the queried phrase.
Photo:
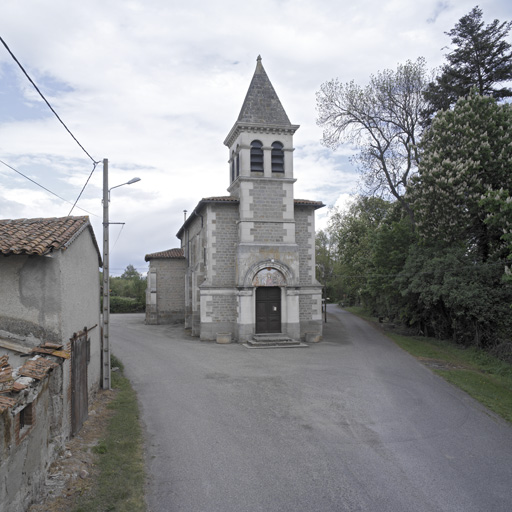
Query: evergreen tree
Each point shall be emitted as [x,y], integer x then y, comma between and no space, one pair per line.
[481,59]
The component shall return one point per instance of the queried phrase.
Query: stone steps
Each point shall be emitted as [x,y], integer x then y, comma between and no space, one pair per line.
[273,341]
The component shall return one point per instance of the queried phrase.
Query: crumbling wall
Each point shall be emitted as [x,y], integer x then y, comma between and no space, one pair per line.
[33,428]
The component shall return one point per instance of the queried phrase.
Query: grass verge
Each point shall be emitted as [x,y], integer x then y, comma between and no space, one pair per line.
[120,485]
[482,376]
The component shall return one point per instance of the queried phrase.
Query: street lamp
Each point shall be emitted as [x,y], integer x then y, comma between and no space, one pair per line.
[106,373]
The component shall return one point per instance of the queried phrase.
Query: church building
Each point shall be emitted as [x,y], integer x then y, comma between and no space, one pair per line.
[247,260]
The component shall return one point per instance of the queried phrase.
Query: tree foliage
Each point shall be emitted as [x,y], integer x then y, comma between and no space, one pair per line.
[450,295]
[128,292]
[361,240]
[481,58]
[382,120]
[448,272]
[466,155]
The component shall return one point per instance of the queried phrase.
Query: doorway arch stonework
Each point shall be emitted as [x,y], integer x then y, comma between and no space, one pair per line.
[268,273]
[269,265]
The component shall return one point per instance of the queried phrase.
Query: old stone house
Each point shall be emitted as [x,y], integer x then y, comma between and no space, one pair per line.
[50,346]
[165,293]
[250,256]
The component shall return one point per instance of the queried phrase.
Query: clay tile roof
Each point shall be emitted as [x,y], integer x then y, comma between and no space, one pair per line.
[37,368]
[169,254]
[220,199]
[206,200]
[6,403]
[41,236]
[307,202]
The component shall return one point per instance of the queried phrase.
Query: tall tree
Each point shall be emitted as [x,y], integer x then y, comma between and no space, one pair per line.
[481,58]
[352,234]
[467,155]
[382,120]
[130,272]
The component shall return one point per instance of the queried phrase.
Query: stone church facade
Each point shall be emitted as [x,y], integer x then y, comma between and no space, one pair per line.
[250,256]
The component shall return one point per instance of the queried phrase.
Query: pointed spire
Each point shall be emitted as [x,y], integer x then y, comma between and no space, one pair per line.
[261,104]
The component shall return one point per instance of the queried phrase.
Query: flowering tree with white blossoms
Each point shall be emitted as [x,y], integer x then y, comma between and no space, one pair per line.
[466,156]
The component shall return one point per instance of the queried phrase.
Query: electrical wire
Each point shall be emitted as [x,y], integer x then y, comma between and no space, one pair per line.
[44,188]
[120,231]
[45,100]
[95,163]
[83,188]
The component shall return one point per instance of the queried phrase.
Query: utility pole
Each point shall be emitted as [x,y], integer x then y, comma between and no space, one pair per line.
[106,383]
[106,373]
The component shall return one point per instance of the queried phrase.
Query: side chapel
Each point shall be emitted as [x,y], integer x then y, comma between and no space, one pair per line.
[247,259]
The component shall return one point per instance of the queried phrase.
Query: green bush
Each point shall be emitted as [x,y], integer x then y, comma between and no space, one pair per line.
[126,305]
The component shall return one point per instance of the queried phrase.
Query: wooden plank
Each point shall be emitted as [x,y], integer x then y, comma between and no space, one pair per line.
[15,347]
[61,353]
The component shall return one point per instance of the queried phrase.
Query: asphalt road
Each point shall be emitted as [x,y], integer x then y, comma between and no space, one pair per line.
[350,424]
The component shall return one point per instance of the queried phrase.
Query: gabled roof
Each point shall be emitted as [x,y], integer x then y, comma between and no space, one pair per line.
[206,200]
[261,108]
[39,237]
[169,254]
[233,201]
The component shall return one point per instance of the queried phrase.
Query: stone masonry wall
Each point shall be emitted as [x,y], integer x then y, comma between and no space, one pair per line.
[27,451]
[224,219]
[267,202]
[305,241]
[268,232]
[170,289]
[224,308]
[193,246]
[307,305]
[269,209]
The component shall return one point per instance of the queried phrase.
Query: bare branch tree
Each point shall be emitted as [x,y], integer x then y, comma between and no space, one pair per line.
[383,121]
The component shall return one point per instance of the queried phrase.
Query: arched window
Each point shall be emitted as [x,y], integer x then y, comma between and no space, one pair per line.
[256,156]
[277,157]
[232,166]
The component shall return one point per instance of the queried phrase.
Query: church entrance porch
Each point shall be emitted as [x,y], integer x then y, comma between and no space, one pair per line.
[268,309]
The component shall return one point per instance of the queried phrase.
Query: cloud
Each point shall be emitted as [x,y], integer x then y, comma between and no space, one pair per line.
[156,85]
[438,9]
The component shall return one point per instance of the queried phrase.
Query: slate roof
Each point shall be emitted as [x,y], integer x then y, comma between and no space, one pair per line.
[169,254]
[261,104]
[262,108]
[42,236]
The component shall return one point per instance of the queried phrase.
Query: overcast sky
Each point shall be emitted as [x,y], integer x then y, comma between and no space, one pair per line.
[156,85]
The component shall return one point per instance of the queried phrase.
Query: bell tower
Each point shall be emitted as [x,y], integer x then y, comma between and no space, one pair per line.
[261,178]
[261,165]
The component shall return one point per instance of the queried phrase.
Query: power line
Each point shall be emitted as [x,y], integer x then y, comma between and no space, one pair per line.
[45,100]
[95,163]
[83,188]
[47,190]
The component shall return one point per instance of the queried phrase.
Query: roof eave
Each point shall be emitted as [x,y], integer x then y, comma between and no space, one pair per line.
[202,203]
[258,127]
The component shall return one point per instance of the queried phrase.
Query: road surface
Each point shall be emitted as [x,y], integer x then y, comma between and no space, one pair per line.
[350,424]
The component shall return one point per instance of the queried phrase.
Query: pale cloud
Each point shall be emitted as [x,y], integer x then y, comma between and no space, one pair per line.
[156,85]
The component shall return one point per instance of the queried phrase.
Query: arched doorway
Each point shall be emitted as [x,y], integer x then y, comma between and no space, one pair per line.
[268,309]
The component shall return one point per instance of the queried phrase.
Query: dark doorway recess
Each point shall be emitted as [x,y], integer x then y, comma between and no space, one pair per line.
[268,310]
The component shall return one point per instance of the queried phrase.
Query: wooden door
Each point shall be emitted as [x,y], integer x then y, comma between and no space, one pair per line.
[268,309]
